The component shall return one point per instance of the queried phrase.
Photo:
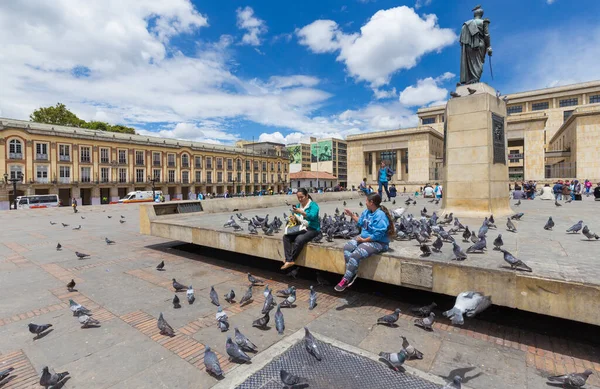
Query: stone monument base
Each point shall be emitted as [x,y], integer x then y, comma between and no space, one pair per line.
[476,172]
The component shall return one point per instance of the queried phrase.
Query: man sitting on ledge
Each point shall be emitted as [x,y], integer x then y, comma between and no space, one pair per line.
[597,192]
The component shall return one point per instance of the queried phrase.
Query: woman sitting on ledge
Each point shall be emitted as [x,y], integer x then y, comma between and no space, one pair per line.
[306,217]
[377,226]
[547,193]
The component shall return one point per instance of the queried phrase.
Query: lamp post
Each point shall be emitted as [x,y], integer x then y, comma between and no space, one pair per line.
[14,182]
[153,181]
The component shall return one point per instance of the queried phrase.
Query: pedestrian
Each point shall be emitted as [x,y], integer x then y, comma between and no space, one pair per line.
[303,225]
[588,186]
[557,189]
[377,225]
[74,205]
[385,174]
[438,191]
[566,190]
[191,195]
[577,190]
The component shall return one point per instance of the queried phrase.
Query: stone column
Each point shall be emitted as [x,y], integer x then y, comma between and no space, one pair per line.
[476,170]
[96,195]
[114,193]
[374,166]
[399,169]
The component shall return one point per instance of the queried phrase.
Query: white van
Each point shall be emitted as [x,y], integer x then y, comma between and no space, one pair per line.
[38,201]
[140,196]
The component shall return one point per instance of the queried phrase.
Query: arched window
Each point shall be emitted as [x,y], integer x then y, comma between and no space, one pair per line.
[185,160]
[16,171]
[15,149]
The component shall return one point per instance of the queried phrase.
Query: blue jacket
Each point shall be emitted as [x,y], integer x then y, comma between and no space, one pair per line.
[374,225]
[385,174]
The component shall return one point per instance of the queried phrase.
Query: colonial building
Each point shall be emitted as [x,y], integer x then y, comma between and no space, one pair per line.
[552,133]
[98,167]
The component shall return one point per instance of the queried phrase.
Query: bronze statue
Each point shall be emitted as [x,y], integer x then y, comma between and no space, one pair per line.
[475,44]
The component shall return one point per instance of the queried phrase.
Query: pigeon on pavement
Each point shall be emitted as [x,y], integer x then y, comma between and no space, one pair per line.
[425,250]
[262,321]
[214,297]
[279,322]
[71,285]
[5,373]
[290,300]
[426,322]
[557,203]
[223,323]
[254,281]
[312,299]
[411,352]
[230,296]
[178,287]
[266,291]
[466,234]
[160,266]
[517,216]
[575,228]
[455,384]
[78,309]
[77,228]
[121,221]
[108,241]
[311,344]
[58,247]
[47,379]
[164,327]
[190,295]
[176,302]
[268,304]
[437,245]
[393,360]
[235,352]
[510,226]
[515,263]
[498,243]
[52,223]
[64,225]
[549,224]
[87,321]
[286,292]
[478,247]
[518,203]
[588,234]
[292,381]
[425,310]
[244,342]
[390,319]
[247,297]
[81,255]
[211,362]
[37,329]
[575,380]
[467,303]
[459,254]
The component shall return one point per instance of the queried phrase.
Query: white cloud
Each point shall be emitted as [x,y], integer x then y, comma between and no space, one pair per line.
[426,91]
[384,94]
[207,132]
[278,137]
[392,40]
[422,3]
[295,80]
[254,26]
[550,1]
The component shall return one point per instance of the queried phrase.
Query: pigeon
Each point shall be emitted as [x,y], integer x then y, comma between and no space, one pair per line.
[411,352]
[214,297]
[279,322]
[262,321]
[87,321]
[293,273]
[291,380]
[37,329]
[466,234]
[425,310]
[81,255]
[568,201]
[82,218]
[247,297]
[252,229]
[575,380]
[344,203]
[437,245]
[467,303]
[478,247]
[268,304]
[425,250]
[459,254]
[426,322]
[518,203]
[108,241]
[121,221]
[510,226]
[5,373]
[122,217]
[108,216]
[575,228]
[321,281]
[58,247]
[64,225]
[474,237]
[244,342]
[456,382]
[549,224]
[360,204]
[290,300]
[498,243]
[190,295]
[454,94]
[312,299]
[286,292]
[517,216]
[471,90]
[52,223]
[178,287]
[311,344]
[393,360]
[515,262]
[71,285]
[164,327]
[235,352]
[254,281]
[223,324]
[266,291]
[390,319]
[230,296]
[78,309]
[160,266]
[588,234]
[211,362]
[176,303]
[221,314]
[48,379]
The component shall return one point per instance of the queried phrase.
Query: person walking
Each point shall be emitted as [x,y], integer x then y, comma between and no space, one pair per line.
[588,186]
[385,174]
[74,205]
[377,226]
[303,226]
[438,191]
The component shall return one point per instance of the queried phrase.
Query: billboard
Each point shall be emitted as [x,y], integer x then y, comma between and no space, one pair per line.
[295,153]
[321,151]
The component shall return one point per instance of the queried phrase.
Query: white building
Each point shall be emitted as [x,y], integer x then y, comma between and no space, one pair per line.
[309,180]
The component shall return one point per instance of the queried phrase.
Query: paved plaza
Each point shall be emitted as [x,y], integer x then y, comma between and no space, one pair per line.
[120,285]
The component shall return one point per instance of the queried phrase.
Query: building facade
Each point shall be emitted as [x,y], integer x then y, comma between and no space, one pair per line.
[300,156]
[99,167]
[311,180]
[330,155]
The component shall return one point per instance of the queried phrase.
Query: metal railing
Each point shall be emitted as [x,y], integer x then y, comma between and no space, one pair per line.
[41,157]
[561,170]
[15,155]
[64,158]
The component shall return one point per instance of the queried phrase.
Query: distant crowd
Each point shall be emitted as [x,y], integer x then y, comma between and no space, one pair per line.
[561,190]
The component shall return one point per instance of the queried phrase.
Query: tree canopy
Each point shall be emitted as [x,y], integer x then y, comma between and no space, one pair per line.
[60,115]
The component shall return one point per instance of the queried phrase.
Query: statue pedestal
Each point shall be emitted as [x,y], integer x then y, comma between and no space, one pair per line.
[475,166]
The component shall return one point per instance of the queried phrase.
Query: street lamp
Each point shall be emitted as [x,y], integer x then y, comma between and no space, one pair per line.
[153,181]
[14,181]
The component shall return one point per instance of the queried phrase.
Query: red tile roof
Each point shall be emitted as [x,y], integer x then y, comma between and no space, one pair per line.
[312,175]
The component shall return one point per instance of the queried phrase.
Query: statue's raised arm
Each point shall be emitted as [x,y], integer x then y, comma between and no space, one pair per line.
[475,42]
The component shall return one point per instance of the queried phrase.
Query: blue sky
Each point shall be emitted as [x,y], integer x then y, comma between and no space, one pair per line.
[219,71]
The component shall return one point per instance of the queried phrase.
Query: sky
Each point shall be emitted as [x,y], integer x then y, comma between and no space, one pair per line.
[283,71]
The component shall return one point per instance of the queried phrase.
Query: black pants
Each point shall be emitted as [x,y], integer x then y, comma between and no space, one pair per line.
[293,244]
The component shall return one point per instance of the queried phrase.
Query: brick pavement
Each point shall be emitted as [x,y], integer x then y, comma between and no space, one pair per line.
[531,355]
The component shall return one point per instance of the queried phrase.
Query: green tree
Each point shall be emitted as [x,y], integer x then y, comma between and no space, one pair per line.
[60,115]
